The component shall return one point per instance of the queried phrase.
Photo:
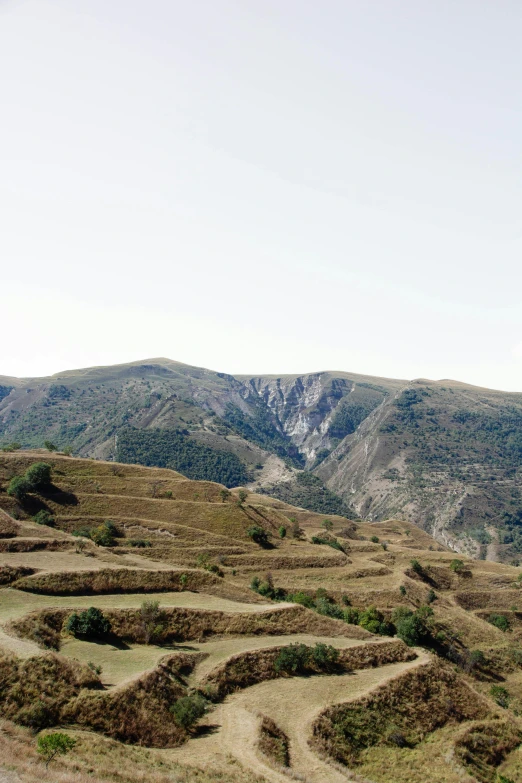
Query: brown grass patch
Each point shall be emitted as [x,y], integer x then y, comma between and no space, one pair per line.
[399,713]
[482,747]
[273,742]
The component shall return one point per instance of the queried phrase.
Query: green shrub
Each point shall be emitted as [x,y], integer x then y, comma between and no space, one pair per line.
[258,534]
[188,710]
[328,608]
[282,531]
[18,488]
[402,590]
[457,566]
[44,518]
[499,621]
[91,623]
[330,541]
[500,695]
[374,539]
[432,596]
[49,446]
[56,744]
[373,620]
[416,567]
[324,656]
[327,524]
[138,543]
[351,616]
[38,475]
[293,659]
[302,598]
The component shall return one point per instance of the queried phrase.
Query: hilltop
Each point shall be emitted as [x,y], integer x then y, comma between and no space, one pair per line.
[442,454]
[322,648]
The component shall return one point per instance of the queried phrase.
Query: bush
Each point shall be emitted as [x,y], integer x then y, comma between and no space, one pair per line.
[374,539]
[328,541]
[242,495]
[293,659]
[258,534]
[18,488]
[303,599]
[412,627]
[499,621]
[38,475]
[500,695]
[188,710]
[152,621]
[282,531]
[457,566]
[327,524]
[432,596]
[324,656]
[416,567]
[44,518]
[90,623]
[402,590]
[49,446]
[351,616]
[56,744]
[373,620]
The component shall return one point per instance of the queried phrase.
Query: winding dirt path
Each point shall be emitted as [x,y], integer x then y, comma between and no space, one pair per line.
[293,704]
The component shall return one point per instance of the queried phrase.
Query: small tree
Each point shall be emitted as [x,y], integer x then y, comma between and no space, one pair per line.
[38,475]
[49,446]
[188,710]
[457,566]
[258,534]
[297,531]
[91,623]
[18,488]
[224,494]
[416,567]
[282,531]
[151,621]
[56,744]
[327,524]
[44,517]
[183,581]
[242,495]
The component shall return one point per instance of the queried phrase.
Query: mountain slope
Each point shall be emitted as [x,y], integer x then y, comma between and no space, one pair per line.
[444,455]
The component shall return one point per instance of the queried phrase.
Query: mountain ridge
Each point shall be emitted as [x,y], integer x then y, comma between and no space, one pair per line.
[443,454]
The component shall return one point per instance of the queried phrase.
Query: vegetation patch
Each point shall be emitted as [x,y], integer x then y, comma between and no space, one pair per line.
[399,713]
[483,746]
[273,742]
[174,449]
[308,491]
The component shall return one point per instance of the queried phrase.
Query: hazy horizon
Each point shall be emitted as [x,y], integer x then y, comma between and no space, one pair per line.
[263,188]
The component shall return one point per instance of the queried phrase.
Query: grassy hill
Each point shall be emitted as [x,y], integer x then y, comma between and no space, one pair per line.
[444,455]
[307,639]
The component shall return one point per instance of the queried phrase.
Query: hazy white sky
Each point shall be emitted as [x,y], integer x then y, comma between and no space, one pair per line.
[263,186]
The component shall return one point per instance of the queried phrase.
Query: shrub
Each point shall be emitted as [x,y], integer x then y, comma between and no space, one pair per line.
[44,518]
[38,475]
[282,531]
[416,567]
[412,627]
[402,590]
[302,598]
[56,744]
[374,539]
[457,566]
[297,531]
[351,616]
[293,659]
[500,695]
[328,608]
[373,620]
[18,488]
[330,541]
[12,447]
[499,621]
[152,621]
[188,710]
[432,596]
[49,446]
[255,583]
[242,495]
[324,656]
[258,534]
[90,623]
[139,543]
[327,524]
[224,495]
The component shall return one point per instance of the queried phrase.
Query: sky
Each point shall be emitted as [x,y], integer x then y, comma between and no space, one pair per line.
[263,186]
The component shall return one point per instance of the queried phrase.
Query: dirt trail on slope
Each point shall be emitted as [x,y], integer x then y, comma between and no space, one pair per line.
[293,704]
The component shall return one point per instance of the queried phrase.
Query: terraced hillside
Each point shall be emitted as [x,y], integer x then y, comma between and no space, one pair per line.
[441,454]
[178,630]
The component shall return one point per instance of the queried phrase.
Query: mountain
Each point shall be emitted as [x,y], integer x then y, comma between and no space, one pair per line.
[442,454]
